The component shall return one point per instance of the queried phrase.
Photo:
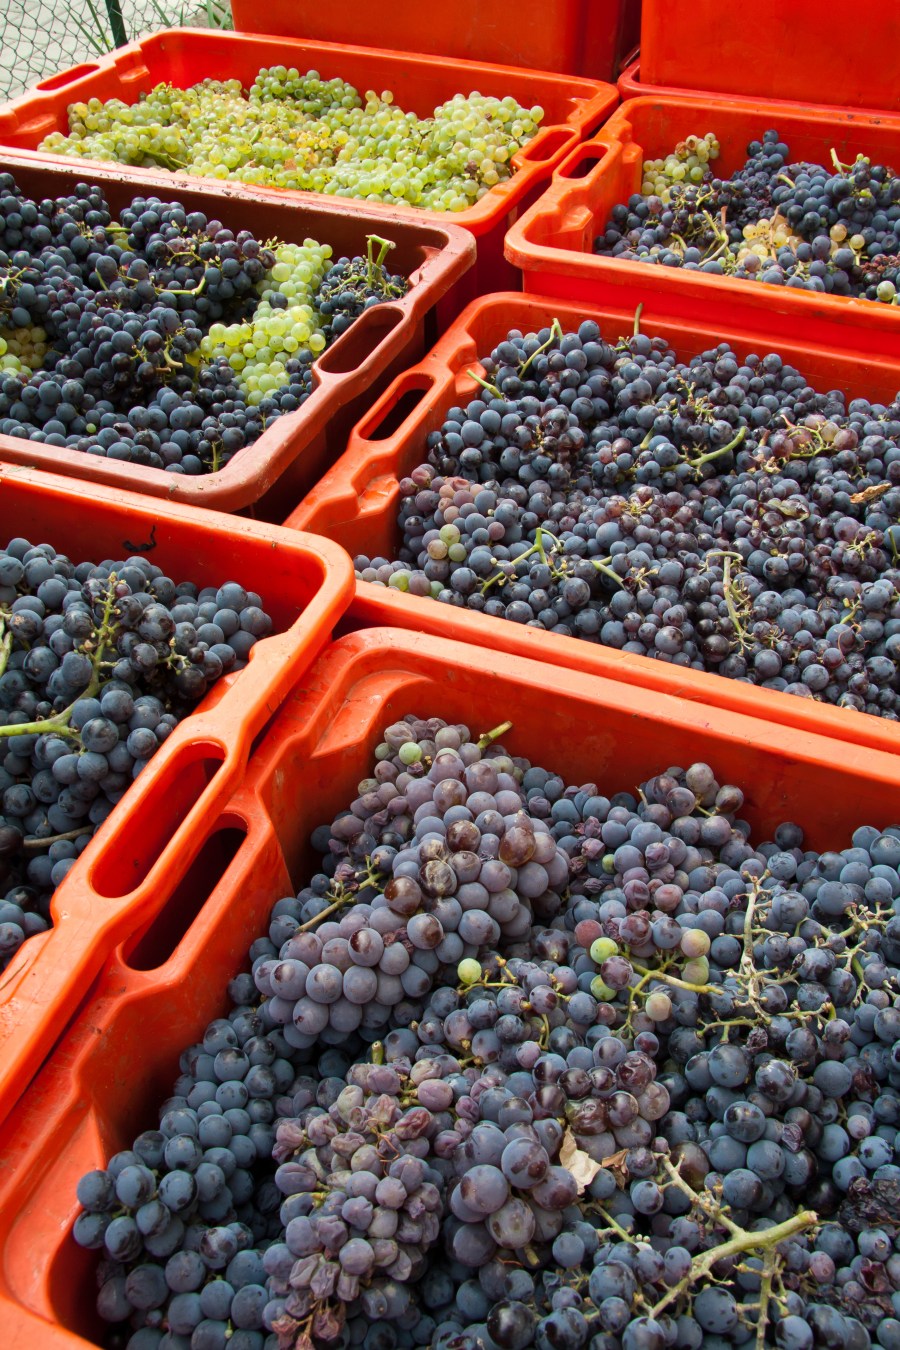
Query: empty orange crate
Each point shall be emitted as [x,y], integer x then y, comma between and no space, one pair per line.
[149,845]
[573,107]
[356,502]
[270,476]
[578,37]
[553,242]
[800,51]
[117,1062]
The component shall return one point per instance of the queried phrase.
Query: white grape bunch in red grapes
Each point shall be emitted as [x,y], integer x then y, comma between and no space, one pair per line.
[163,339]
[833,229]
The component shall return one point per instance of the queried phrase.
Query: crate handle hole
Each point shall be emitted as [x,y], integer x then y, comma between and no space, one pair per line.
[69,76]
[393,419]
[582,168]
[355,347]
[135,845]
[545,146]
[158,943]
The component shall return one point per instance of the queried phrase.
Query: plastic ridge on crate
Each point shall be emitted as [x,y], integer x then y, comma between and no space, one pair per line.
[553,241]
[573,108]
[118,1059]
[272,474]
[798,50]
[148,844]
[630,85]
[357,501]
[582,37]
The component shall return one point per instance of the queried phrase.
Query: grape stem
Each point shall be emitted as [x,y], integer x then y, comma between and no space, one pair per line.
[373,263]
[613,1225]
[59,723]
[733,615]
[556,333]
[713,1210]
[742,1242]
[485,384]
[339,903]
[194,290]
[765,1295]
[490,736]
[673,980]
[34,842]
[537,547]
[717,454]
[607,571]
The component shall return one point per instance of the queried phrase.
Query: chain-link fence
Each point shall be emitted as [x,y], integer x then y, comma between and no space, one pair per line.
[40,37]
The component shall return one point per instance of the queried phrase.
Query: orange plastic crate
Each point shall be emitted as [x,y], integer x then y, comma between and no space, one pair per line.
[553,242]
[573,108]
[268,478]
[145,851]
[631,85]
[118,1060]
[800,51]
[356,502]
[577,37]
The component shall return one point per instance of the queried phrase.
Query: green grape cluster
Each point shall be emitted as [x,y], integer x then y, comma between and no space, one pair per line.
[687,163]
[259,349]
[303,132]
[22,350]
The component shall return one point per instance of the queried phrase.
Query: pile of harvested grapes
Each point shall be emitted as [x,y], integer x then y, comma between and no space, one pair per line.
[718,513]
[162,338]
[98,663]
[527,1064]
[807,226]
[300,131]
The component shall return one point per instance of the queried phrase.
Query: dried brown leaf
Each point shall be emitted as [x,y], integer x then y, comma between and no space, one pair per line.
[870,494]
[616,1164]
[575,1160]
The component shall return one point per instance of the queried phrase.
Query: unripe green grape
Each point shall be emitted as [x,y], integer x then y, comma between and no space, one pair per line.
[658,1006]
[695,942]
[601,991]
[696,971]
[469,971]
[602,948]
[303,133]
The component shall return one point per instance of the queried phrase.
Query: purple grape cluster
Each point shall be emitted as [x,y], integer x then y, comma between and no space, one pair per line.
[718,514]
[98,663]
[108,317]
[834,231]
[651,1100]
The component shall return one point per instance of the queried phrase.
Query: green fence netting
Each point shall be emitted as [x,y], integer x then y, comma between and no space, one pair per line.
[40,37]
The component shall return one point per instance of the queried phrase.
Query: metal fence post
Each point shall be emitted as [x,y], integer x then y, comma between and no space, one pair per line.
[116,22]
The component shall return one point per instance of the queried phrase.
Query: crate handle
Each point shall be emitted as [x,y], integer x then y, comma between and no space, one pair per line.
[64,77]
[396,410]
[182,788]
[228,842]
[587,162]
[545,146]
[358,346]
